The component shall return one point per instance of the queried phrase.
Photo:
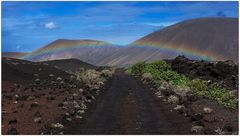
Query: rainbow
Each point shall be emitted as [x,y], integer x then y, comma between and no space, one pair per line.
[14,54]
[18,55]
[174,48]
[61,48]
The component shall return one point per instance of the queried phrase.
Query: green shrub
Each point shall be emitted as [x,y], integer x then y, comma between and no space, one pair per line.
[128,71]
[137,69]
[161,71]
[158,65]
[173,76]
[198,86]
[214,92]
[222,96]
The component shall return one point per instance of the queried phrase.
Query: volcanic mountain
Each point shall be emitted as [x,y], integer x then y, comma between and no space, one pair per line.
[210,39]
[205,38]
[90,51]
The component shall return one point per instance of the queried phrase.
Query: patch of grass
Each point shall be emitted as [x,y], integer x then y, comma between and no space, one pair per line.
[161,71]
[214,92]
[157,65]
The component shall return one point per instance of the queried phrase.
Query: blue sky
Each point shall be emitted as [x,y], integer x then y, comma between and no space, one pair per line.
[27,26]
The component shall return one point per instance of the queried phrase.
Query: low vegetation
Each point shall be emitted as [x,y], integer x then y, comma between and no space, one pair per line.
[214,92]
[161,71]
[93,78]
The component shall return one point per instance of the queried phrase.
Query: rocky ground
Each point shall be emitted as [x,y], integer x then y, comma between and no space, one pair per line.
[207,116]
[40,98]
[35,95]
[224,73]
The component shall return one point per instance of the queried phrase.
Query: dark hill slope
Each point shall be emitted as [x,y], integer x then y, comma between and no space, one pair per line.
[69,64]
[16,70]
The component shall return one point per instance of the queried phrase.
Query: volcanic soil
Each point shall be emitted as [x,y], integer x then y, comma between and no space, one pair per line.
[33,95]
[127,107]
[124,106]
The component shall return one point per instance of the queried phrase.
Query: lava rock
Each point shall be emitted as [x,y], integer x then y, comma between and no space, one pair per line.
[37,114]
[191,97]
[12,121]
[209,131]
[180,109]
[196,117]
[209,118]
[12,131]
[228,128]
[35,104]
[22,98]
[60,105]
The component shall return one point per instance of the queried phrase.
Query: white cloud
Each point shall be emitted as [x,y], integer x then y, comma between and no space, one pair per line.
[164,24]
[50,25]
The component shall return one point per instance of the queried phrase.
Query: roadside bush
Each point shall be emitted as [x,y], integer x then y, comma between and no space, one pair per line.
[173,99]
[214,92]
[199,87]
[107,73]
[161,71]
[223,96]
[174,77]
[90,77]
[159,65]
[128,71]
[137,69]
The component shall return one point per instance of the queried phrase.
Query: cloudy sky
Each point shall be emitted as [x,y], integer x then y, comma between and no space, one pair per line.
[27,26]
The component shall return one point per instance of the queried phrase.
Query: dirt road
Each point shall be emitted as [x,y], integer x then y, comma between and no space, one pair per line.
[128,107]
